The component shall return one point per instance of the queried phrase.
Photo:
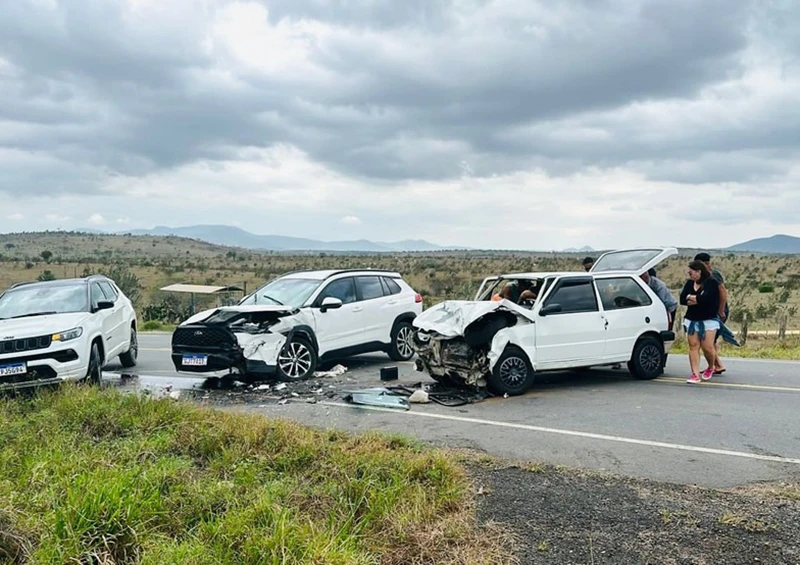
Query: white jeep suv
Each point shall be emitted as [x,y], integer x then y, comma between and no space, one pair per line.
[570,320]
[52,331]
[293,323]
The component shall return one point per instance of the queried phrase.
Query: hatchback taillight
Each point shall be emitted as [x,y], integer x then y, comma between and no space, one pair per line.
[418,298]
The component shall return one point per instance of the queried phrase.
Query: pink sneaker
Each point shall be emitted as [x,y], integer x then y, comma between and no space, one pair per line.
[693,379]
[707,374]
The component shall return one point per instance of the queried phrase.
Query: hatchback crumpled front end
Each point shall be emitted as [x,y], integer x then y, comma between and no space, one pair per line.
[457,342]
[242,339]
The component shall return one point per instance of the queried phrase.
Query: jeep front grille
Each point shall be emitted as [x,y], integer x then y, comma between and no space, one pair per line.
[22,345]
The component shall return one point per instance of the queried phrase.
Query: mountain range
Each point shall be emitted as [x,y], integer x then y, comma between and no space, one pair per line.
[232,236]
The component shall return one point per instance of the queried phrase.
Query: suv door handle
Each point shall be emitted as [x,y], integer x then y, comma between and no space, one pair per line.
[358,309]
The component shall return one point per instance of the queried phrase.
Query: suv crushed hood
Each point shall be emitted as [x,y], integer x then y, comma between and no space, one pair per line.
[276,309]
[34,326]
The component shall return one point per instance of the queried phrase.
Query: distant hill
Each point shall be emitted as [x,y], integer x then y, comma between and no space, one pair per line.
[776,244]
[237,237]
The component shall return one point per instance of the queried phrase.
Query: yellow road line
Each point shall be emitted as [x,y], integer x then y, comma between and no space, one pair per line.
[671,380]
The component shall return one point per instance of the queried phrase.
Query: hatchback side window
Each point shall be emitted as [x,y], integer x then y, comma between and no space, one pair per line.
[370,287]
[343,289]
[574,297]
[622,292]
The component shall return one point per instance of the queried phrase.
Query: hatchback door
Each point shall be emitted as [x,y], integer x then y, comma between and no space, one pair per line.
[570,328]
[637,261]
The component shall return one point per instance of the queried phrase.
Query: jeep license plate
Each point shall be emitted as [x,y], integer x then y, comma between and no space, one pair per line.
[195,360]
[15,369]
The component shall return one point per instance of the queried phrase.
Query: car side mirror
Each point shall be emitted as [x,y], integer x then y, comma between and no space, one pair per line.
[330,303]
[104,305]
[550,309]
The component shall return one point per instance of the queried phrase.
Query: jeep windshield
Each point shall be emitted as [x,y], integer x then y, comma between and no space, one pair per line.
[285,291]
[44,300]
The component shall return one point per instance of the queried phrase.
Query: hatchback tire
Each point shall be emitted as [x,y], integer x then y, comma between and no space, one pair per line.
[512,374]
[648,358]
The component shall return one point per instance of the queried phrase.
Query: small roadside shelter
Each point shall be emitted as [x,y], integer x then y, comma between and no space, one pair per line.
[206,290]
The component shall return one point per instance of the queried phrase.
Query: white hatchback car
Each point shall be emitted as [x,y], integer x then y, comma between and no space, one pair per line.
[59,330]
[577,319]
[296,321]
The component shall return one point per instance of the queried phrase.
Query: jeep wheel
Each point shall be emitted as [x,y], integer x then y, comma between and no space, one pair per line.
[94,374]
[647,361]
[512,374]
[129,358]
[297,360]
[402,346]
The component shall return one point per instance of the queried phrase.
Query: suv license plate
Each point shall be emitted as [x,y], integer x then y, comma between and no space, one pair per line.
[15,369]
[195,360]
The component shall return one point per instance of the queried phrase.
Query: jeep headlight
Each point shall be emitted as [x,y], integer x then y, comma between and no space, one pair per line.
[68,335]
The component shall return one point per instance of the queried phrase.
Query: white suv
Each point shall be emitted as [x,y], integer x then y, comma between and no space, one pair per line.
[573,320]
[293,323]
[64,330]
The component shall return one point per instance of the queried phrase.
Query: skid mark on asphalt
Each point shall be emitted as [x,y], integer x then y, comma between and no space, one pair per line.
[586,435]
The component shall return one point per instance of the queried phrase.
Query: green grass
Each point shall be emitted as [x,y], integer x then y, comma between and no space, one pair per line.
[98,476]
[755,348]
[156,326]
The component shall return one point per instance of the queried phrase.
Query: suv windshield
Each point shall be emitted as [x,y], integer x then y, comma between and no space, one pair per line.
[284,291]
[40,300]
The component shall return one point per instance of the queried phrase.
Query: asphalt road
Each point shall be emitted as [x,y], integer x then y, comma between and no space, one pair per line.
[741,427]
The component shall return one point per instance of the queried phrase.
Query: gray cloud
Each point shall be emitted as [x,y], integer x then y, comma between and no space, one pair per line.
[408,90]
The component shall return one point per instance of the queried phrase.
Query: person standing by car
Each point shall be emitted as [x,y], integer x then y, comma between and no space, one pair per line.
[663,293]
[701,297]
[723,306]
[587,263]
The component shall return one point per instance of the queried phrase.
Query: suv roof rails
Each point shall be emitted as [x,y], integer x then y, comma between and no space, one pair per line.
[368,270]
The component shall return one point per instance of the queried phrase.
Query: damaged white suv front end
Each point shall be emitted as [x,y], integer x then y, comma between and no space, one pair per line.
[570,320]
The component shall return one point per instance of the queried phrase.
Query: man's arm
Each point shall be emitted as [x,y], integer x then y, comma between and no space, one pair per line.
[723,300]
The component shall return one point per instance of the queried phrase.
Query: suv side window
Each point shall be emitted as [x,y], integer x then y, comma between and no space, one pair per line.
[370,287]
[622,292]
[391,286]
[343,289]
[109,291]
[574,297]
[97,295]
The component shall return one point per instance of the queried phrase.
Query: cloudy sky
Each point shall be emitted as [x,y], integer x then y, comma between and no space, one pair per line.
[504,123]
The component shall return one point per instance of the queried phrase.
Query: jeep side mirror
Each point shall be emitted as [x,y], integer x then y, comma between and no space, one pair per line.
[104,305]
[550,309]
[330,303]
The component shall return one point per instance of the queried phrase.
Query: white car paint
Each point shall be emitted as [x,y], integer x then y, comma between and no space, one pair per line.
[356,321]
[595,333]
[111,327]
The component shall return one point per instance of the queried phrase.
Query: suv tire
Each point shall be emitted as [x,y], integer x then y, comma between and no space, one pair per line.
[401,347]
[512,374]
[129,358]
[648,358]
[94,374]
[297,360]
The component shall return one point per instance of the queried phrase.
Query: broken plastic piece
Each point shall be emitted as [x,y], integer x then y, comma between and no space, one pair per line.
[389,373]
[419,396]
[378,397]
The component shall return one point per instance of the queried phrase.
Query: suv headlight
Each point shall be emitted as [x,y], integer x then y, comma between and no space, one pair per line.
[68,335]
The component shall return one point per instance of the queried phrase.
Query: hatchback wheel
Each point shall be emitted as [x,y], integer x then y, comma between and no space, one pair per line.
[647,361]
[512,374]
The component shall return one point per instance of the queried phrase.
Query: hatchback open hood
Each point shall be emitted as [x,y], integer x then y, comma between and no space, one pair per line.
[34,326]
